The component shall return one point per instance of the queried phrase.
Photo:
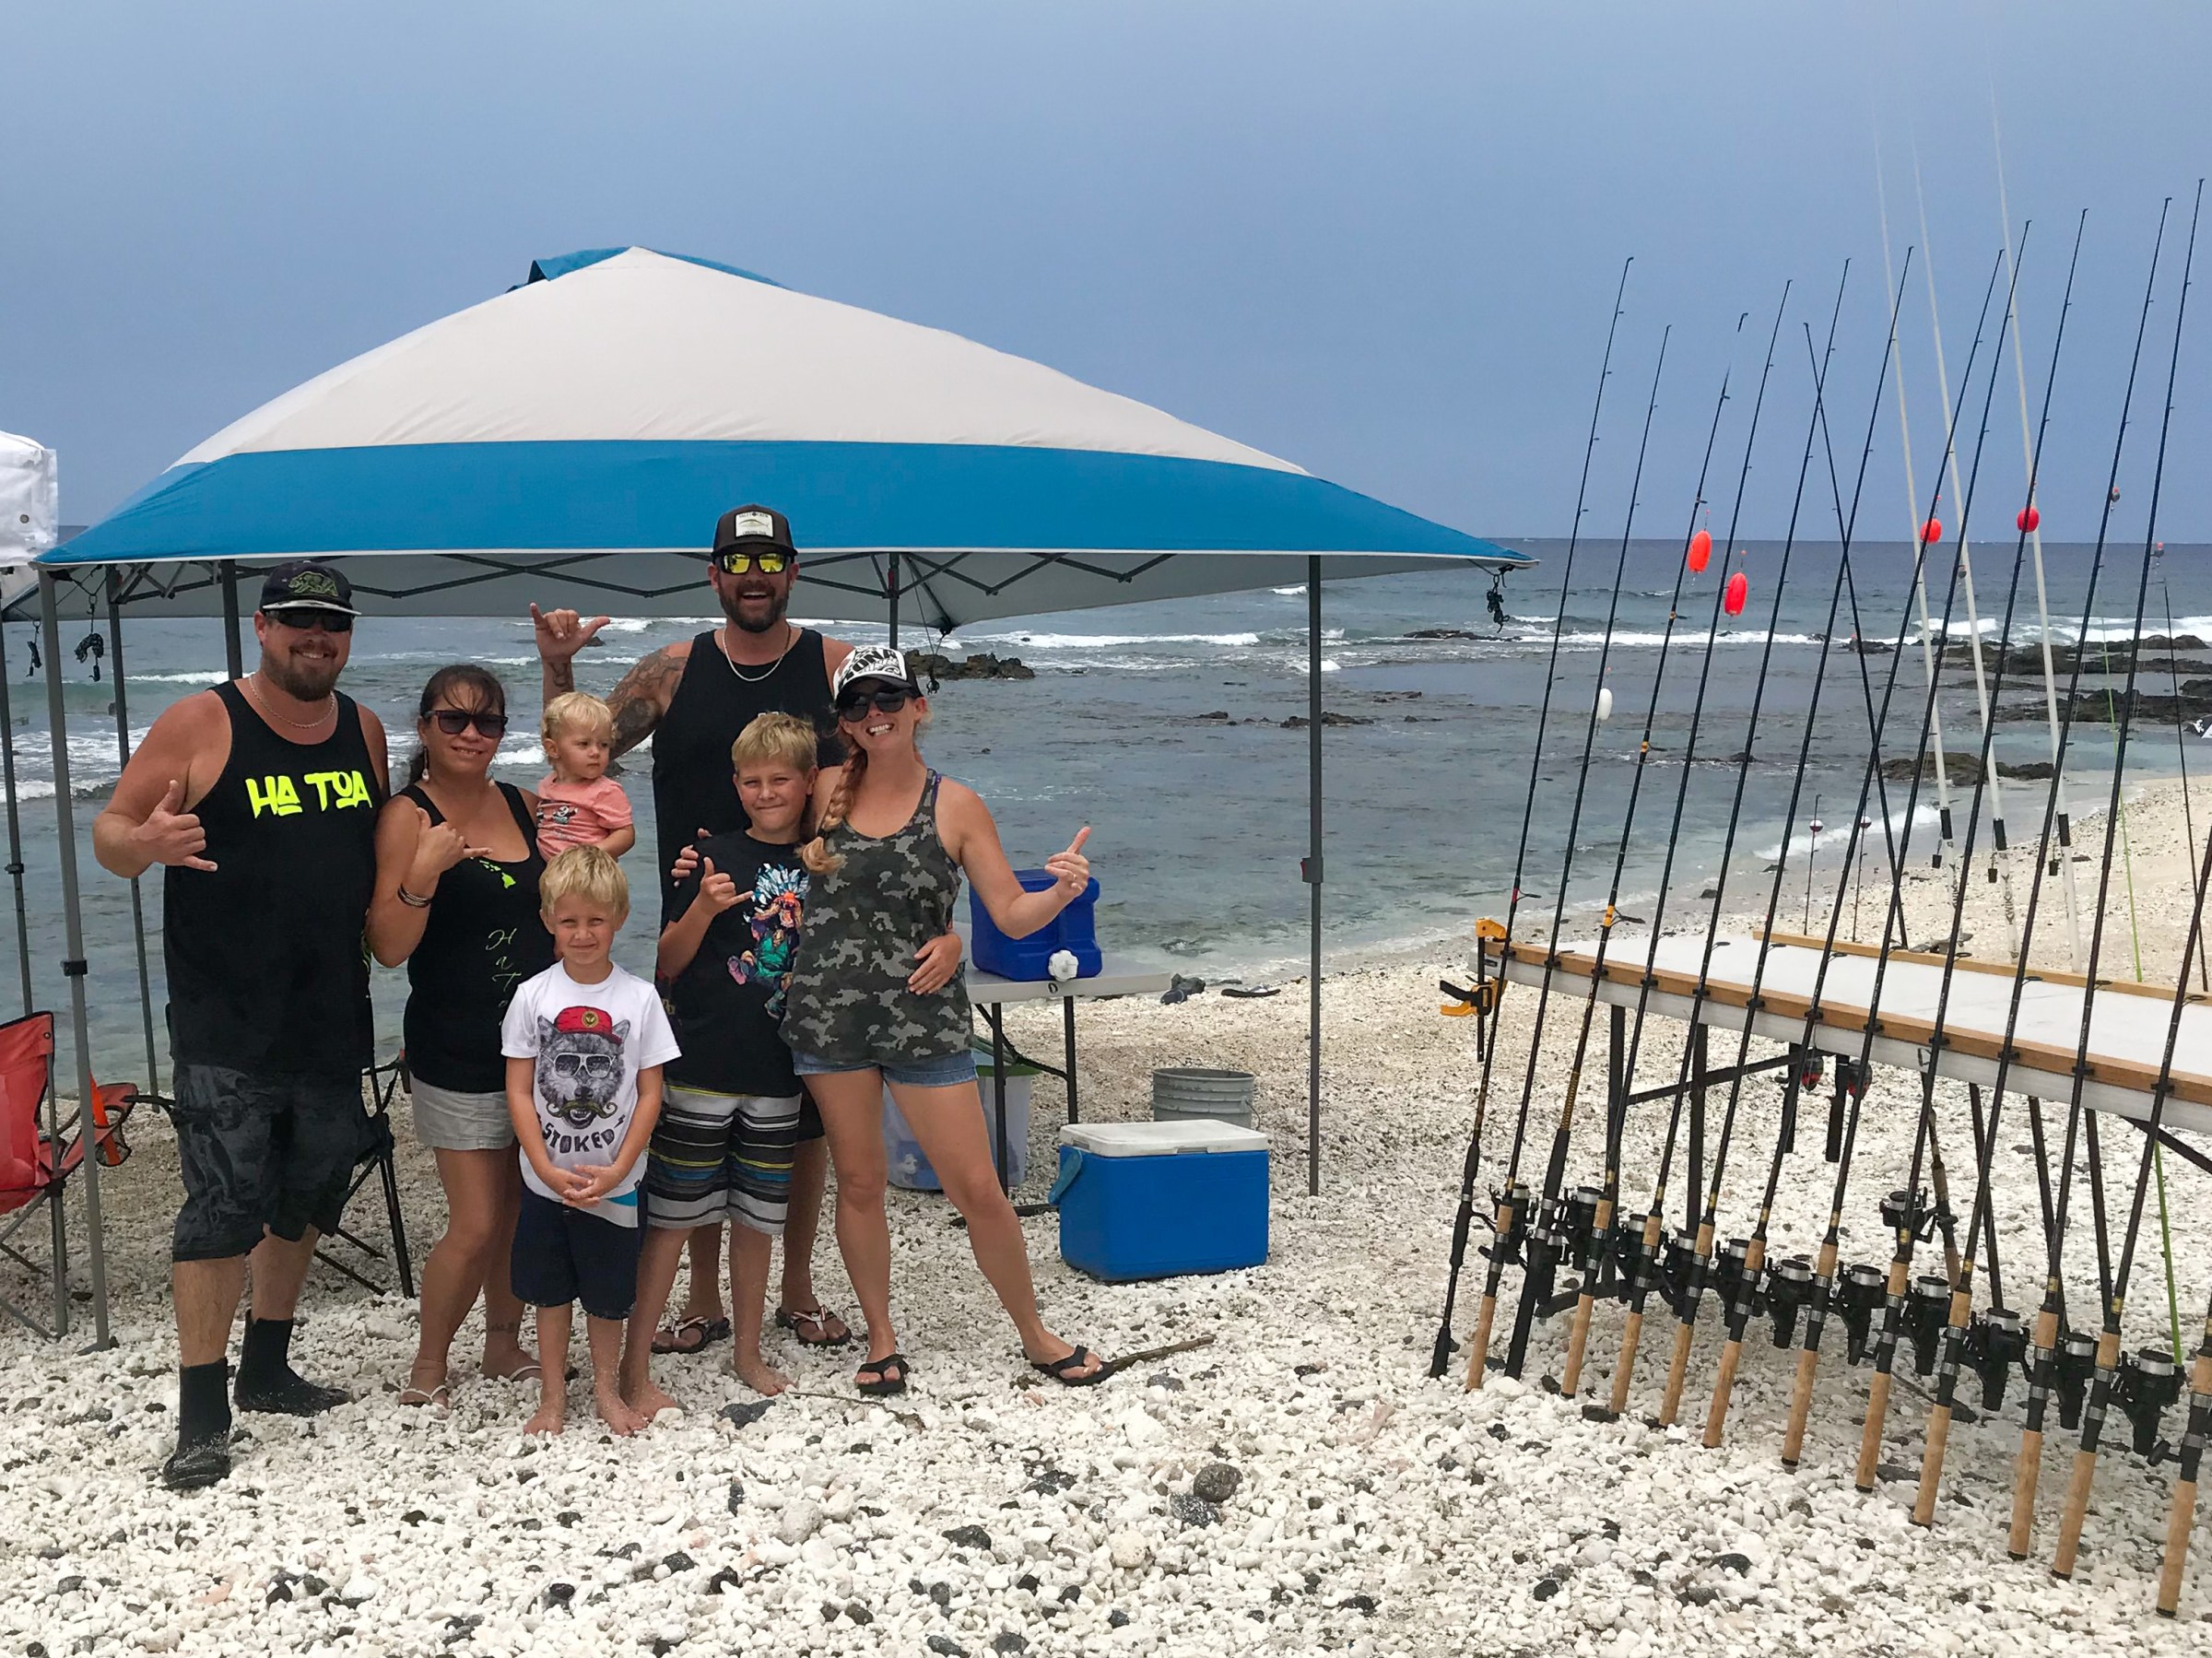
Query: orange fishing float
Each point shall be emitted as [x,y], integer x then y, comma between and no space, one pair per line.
[1931,532]
[2027,520]
[1739,588]
[1700,550]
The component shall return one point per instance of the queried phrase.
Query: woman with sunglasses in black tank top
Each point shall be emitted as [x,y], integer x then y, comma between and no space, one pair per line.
[457,872]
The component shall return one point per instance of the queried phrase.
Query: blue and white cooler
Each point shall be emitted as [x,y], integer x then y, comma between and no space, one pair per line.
[1156,1200]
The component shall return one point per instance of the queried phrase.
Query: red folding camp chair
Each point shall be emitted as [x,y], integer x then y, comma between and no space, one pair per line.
[37,1159]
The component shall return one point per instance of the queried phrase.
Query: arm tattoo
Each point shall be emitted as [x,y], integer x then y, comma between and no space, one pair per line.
[643,698]
[560,677]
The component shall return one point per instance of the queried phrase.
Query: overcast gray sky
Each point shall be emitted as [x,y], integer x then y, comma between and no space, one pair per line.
[1380,240]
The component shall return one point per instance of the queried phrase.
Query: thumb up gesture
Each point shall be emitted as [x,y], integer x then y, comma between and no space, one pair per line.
[173,836]
[1070,869]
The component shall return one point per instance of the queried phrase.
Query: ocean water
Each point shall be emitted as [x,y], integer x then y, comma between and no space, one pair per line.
[1162,725]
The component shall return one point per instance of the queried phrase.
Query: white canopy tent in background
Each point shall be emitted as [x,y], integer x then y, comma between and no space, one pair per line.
[573,439]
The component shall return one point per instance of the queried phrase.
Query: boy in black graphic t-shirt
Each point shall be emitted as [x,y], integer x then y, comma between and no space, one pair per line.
[722,1147]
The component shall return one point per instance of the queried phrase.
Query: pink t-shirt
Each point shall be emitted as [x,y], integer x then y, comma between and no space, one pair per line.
[579,814]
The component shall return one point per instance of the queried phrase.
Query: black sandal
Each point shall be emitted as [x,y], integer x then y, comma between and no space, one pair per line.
[1058,1368]
[815,1320]
[885,1386]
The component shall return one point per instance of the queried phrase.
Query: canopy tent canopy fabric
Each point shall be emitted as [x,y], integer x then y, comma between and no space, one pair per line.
[621,400]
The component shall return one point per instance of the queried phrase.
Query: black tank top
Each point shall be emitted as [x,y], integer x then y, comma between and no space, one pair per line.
[267,969]
[691,785]
[482,937]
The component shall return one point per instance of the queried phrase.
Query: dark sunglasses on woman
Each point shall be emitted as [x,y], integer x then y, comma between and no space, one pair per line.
[887,698]
[454,722]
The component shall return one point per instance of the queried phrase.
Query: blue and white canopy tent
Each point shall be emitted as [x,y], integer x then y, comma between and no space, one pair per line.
[573,439]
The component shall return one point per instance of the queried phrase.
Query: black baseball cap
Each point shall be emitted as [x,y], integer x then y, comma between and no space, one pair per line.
[753,526]
[306,584]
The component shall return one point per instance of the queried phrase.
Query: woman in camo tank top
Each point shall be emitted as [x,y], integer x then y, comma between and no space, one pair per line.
[874,997]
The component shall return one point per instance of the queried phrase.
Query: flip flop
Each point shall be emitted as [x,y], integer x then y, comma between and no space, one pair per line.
[885,1384]
[818,1321]
[439,1398]
[670,1338]
[1059,1369]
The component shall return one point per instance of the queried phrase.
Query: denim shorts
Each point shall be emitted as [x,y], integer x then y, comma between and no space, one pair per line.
[945,1072]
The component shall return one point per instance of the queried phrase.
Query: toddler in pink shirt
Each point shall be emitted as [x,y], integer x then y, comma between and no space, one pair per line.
[578,804]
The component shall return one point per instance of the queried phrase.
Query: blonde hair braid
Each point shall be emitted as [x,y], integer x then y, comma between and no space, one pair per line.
[815,854]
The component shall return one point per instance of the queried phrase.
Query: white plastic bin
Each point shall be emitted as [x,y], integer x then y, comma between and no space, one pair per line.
[903,1155]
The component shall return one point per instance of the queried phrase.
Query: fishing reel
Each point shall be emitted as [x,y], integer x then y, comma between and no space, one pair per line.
[1729,1275]
[2148,1385]
[1995,1341]
[1926,1310]
[1859,1293]
[1790,1289]
[2071,1367]
[1573,1219]
[1630,1260]
[1913,1212]
[1679,1270]
[1505,1248]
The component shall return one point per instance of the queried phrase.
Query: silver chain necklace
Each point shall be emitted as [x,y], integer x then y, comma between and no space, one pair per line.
[790,638]
[260,702]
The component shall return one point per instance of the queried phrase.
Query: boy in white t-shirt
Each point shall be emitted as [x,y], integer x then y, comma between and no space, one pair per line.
[584,1043]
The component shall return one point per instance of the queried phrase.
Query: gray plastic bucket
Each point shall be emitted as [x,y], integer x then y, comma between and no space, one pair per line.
[1181,1092]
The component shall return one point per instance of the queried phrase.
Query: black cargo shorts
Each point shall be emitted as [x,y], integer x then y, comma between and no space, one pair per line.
[263,1151]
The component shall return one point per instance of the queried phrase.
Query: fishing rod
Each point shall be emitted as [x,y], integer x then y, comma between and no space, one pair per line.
[1997,875]
[1598,1236]
[1543,1244]
[2044,1352]
[1738,1305]
[1850,1299]
[1893,1312]
[2000,1330]
[1441,1354]
[1928,650]
[1694,1290]
[1532,1240]
[2031,520]
[1462,1222]
[2107,1344]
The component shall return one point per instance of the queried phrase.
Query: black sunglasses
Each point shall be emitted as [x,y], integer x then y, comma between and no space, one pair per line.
[454,722]
[306,621]
[736,562]
[889,699]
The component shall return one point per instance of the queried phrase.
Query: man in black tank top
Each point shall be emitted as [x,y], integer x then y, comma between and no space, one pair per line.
[692,698]
[259,799]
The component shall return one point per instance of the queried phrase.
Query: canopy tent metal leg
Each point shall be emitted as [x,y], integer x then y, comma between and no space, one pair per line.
[891,593]
[234,647]
[15,828]
[73,965]
[1313,874]
[122,755]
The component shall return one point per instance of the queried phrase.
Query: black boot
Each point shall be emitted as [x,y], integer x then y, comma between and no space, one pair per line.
[266,1380]
[203,1453]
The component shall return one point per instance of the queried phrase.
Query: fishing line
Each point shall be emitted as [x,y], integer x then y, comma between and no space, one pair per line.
[2044,1350]
[2108,1345]
[1441,1355]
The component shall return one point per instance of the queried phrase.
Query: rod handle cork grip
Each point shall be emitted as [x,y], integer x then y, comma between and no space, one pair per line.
[1632,1336]
[1870,1441]
[1801,1406]
[2077,1511]
[1717,1413]
[2024,1481]
[1578,1339]
[2180,1520]
[1478,1351]
[1931,1467]
[1677,1368]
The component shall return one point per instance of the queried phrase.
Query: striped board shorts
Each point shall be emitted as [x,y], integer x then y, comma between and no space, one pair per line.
[720,1156]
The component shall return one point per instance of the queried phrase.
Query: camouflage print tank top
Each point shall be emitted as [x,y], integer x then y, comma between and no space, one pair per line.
[846,999]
